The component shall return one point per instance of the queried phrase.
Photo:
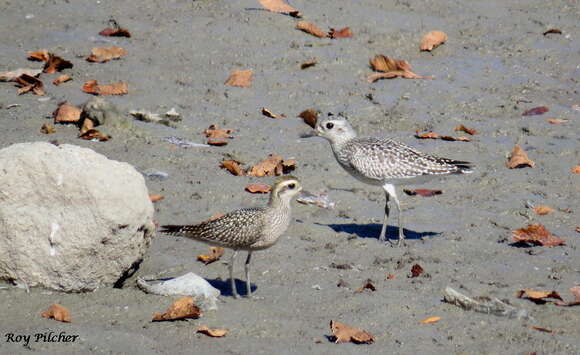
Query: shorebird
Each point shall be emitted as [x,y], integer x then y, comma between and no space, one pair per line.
[247,229]
[384,162]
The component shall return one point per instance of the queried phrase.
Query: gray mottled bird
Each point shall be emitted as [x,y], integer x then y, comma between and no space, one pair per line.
[384,162]
[248,229]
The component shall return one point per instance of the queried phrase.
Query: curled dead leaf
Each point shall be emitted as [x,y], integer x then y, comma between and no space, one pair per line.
[395,74]
[271,114]
[576,302]
[552,30]
[385,64]
[29,83]
[545,330]
[104,54]
[56,63]
[240,78]
[308,64]
[273,165]
[432,40]
[554,120]
[57,312]
[536,234]
[87,125]
[155,197]
[39,56]
[462,128]
[47,129]
[92,87]
[536,111]
[181,309]
[539,297]
[426,135]
[311,28]
[216,254]
[543,210]
[416,270]
[258,188]
[367,285]
[342,33]
[66,113]
[309,116]
[576,170]
[214,333]
[422,192]
[344,333]
[62,79]
[233,167]
[430,320]
[216,142]
[279,6]
[519,159]
[115,32]
[94,134]
[14,74]
[214,131]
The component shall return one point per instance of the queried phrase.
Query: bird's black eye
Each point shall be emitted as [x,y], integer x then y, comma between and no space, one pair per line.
[291,186]
[329,125]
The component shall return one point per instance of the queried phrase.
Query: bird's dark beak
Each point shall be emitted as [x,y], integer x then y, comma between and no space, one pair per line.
[310,134]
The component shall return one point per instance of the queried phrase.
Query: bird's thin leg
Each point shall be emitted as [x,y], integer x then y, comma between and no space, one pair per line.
[392,191]
[232,280]
[385,218]
[247,269]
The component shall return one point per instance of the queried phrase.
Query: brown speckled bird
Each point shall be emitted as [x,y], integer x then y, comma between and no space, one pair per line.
[248,229]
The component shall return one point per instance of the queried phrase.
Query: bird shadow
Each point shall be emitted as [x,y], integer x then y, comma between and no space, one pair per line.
[226,290]
[372,230]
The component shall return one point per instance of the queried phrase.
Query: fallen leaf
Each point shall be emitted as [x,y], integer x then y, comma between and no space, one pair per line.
[395,74]
[432,40]
[576,170]
[270,114]
[543,210]
[215,333]
[216,142]
[519,159]
[62,79]
[342,283]
[39,56]
[416,270]
[545,330]
[556,120]
[258,188]
[92,87]
[214,131]
[426,135]
[430,320]
[462,128]
[94,134]
[279,6]
[13,75]
[273,165]
[241,78]
[29,83]
[311,28]
[342,33]
[308,64]
[390,276]
[155,197]
[216,254]
[423,192]
[47,129]
[56,63]
[181,309]
[344,333]
[66,113]
[104,54]
[309,116]
[578,229]
[553,30]
[576,292]
[233,167]
[367,285]
[536,111]
[57,312]
[386,64]
[115,32]
[536,234]
[539,297]
[87,125]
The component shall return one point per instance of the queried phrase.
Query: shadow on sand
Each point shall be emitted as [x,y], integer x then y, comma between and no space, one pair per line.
[372,230]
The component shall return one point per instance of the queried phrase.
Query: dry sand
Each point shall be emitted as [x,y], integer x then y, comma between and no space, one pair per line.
[496,64]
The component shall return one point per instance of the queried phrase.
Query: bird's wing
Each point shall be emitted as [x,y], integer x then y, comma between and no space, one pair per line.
[383,159]
[237,229]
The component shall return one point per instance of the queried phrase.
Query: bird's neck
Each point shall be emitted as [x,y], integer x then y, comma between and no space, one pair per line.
[278,203]
[338,142]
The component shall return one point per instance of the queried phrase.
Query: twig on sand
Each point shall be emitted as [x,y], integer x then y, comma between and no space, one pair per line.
[484,305]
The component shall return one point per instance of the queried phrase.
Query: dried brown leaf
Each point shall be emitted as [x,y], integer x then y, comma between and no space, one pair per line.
[344,333]
[545,330]
[115,32]
[94,134]
[308,64]
[426,135]
[416,270]
[47,129]
[57,312]
[311,28]
[553,30]
[181,309]
[56,63]
[430,320]
[39,56]
[214,131]
[216,142]
[536,111]
[29,83]
[576,170]
[279,6]
[258,188]
[422,192]
[13,75]
[554,120]
[240,78]
[88,124]
[432,40]
[395,74]
[576,292]
[104,54]
[271,114]
[519,159]
[66,113]
[367,285]
[536,234]
[62,79]
[462,128]
[233,167]
[214,333]
[342,33]
[215,254]
[92,87]
[309,116]
[543,210]
[155,197]
[385,64]
[538,296]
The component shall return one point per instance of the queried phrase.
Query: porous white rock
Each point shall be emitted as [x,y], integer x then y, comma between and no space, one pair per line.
[70,218]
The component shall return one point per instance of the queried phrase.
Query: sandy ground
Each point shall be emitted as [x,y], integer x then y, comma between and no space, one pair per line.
[496,65]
